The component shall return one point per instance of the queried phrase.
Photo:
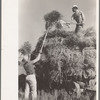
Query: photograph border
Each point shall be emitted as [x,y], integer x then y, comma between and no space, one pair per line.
[9,50]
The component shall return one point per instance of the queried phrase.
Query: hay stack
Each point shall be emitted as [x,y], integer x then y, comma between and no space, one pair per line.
[65,54]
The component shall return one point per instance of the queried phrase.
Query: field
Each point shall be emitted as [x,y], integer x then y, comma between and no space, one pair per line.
[61,95]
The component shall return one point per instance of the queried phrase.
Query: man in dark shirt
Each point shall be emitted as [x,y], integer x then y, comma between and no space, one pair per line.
[78,16]
[31,83]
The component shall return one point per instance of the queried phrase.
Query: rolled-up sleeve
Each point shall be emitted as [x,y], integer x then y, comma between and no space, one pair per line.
[72,17]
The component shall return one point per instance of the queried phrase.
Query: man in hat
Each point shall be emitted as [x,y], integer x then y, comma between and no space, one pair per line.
[78,16]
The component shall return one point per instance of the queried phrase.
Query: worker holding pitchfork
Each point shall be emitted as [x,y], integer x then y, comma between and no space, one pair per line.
[78,16]
[31,83]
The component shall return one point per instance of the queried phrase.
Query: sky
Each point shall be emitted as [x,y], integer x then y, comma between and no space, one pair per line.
[31,22]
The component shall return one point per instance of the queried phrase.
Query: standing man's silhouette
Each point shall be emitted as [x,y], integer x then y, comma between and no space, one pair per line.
[78,16]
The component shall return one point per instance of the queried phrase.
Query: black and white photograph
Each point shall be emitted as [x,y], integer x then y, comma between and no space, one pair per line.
[57,50]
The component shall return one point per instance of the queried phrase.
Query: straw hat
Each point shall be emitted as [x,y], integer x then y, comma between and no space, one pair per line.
[75,6]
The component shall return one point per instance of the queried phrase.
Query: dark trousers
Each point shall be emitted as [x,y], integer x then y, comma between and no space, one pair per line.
[78,28]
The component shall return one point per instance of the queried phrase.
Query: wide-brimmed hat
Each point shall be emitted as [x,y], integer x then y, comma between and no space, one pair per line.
[75,6]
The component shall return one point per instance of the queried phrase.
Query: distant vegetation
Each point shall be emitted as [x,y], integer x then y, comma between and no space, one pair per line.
[26,48]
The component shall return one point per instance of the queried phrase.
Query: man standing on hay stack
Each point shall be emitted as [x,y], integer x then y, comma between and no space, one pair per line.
[78,16]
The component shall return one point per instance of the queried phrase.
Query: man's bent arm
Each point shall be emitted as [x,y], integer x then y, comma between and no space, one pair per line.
[83,17]
[72,18]
[37,59]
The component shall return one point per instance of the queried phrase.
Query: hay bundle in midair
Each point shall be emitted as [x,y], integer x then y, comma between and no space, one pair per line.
[52,20]
[52,16]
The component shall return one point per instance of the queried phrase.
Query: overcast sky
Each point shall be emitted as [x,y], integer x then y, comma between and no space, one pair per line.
[31,13]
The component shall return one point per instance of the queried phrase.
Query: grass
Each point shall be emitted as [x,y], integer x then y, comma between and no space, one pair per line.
[60,95]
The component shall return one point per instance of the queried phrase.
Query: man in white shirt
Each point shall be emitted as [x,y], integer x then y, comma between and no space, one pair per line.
[31,83]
